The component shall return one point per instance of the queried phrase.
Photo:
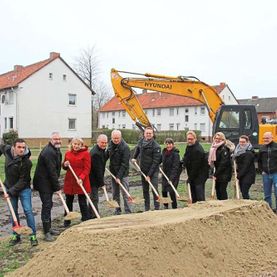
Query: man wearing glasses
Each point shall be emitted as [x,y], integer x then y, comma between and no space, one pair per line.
[267,161]
[46,180]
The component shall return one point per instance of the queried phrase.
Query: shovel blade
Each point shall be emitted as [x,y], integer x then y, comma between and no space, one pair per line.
[111,204]
[164,200]
[22,230]
[72,215]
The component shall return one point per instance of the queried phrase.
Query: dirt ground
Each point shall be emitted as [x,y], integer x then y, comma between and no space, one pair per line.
[213,238]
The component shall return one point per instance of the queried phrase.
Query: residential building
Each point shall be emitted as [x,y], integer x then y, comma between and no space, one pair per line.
[43,97]
[165,111]
[266,107]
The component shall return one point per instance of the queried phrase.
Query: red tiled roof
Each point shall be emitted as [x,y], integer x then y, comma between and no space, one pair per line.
[153,100]
[20,73]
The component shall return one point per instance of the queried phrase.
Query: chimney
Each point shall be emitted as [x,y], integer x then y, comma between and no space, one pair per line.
[54,55]
[222,84]
[17,67]
[255,97]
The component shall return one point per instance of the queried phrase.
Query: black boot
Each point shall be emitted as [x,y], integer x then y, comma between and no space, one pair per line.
[46,228]
[53,232]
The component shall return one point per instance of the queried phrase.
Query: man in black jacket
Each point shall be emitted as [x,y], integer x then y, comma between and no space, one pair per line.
[98,162]
[46,180]
[150,158]
[119,154]
[197,167]
[267,161]
[17,170]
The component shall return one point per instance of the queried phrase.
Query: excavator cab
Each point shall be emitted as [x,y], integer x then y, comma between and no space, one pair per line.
[237,120]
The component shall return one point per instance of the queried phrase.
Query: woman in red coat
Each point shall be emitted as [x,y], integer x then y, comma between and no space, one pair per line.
[79,159]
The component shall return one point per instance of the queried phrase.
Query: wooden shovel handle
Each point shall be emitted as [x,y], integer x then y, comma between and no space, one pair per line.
[84,191]
[105,192]
[236,180]
[189,193]
[121,185]
[9,204]
[64,204]
[170,183]
[149,182]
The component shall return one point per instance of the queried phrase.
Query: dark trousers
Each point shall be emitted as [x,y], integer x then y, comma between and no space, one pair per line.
[82,204]
[244,188]
[146,195]
[47,204]
[197,191]
[173,198]
[95,199]
[221,190]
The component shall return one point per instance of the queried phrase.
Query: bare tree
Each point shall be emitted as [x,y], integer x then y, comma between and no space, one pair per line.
[87,66]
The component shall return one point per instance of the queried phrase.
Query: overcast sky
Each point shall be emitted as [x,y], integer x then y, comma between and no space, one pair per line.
[217,41]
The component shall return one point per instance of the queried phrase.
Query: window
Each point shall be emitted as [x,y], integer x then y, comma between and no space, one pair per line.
[153,112]
[177,126]
[195,126]
[186,110]
[159,127]
[202,110]
[158,111]
[103,126]
[202,127]
[123,126]
[72,99]
[3,98]
[195,110]
[119,113]
[50,76]
[171,112]
[247,119]
[186,118]
[6,123]
[11,122]
[123,113]
[171,126]
[229,119]
[64,77]
[113,113]
[72,123]
[177,111]
[113,120]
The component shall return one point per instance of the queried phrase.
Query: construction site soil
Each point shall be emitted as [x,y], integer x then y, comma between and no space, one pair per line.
[213,238]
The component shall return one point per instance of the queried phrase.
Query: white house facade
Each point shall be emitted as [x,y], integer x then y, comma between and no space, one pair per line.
[45,97]
[171,113]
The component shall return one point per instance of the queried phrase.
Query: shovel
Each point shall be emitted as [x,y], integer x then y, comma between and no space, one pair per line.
[163,200]
[236,192]
[84,191]
[20,230]
[213,189]
[69,215]
[130,198]
[110,203]
[174,189]
[189,193]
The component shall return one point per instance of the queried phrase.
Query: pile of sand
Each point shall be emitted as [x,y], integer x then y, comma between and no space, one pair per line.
[215,238]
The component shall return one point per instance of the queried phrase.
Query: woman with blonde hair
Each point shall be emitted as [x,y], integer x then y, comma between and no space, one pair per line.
[79,159]
[220,161]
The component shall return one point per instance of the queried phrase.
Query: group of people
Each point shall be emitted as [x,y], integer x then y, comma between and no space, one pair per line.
[89,167]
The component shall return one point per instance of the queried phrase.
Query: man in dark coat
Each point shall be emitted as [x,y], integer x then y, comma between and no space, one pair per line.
[98,162]
[267,161]
[150,158]
[244,156]
[119,154]
[18,178]
[197,167]
[46,180]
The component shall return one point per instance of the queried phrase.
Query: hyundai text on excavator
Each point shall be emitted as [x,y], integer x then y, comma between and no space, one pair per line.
[232,120]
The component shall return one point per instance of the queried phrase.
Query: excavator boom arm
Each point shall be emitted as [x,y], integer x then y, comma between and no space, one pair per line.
[182,86]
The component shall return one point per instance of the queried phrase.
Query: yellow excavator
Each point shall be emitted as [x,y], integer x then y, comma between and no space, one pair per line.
[232,120]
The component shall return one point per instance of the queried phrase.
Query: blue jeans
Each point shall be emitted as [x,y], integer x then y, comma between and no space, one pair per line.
[25,197]
[268,181]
